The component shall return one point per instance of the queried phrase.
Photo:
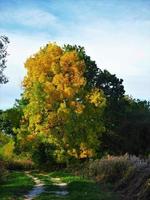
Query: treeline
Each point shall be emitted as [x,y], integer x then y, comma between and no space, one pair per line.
[71,110]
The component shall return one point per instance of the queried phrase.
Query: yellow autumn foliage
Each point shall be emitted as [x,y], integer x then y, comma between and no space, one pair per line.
[96,97]
[53,79]
[58,110]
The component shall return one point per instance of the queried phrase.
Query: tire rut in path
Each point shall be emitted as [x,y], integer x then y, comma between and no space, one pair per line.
[37,189]
[62,187]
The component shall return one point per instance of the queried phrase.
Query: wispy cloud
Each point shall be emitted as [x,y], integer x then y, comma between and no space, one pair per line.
[33,17]
[20,48]
[116,38]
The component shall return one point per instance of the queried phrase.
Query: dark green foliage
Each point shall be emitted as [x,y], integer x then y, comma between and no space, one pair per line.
[43,153]
[110,84]
[9,119]
[114,92]
[130,132]
[135,128]
[91,70]
[4,139]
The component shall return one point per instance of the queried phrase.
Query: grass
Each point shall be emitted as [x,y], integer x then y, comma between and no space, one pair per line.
[16,186]
[78,188]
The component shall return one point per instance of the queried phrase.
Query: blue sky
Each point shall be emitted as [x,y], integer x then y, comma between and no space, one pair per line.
[115,33]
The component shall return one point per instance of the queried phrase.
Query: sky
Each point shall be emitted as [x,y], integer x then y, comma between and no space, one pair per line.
[115,33]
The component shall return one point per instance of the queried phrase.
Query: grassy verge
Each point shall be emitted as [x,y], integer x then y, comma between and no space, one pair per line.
[16,186]
[78,188]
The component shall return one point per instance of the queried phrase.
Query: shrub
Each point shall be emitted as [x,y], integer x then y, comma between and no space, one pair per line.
[3,171]
[20,164]
[7,150]
[111,168]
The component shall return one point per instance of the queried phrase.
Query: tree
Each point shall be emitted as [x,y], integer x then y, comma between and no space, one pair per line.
[134,129]
[3,53]
[91,70]
[62,109]
[102,79]
[10,119]
[111,85]
[113,90]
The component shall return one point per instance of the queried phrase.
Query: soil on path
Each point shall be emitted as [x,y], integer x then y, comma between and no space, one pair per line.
[62,191]
[37,190]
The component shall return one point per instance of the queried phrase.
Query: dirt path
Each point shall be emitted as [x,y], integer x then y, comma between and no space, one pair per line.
[62,191]
[37,190]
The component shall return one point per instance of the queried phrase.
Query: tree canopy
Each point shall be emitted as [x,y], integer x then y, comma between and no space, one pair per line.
[72,109]
[62,110]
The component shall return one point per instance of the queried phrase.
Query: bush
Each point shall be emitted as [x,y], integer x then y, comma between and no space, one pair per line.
[20,164]
[110,169]
[3,171]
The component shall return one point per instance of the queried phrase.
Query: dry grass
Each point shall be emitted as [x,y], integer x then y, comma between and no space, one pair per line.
[110,168]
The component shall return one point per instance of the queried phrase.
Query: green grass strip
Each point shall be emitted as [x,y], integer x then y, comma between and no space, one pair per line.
[16,186]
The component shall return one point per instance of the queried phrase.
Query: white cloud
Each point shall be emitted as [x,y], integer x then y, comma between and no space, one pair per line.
[124,53]
[20,48]
[29,17]
[122,49]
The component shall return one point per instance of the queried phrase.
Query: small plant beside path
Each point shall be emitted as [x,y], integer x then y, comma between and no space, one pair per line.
[16,185]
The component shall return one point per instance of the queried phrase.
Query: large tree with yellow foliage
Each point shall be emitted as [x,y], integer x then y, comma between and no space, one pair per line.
[61,111]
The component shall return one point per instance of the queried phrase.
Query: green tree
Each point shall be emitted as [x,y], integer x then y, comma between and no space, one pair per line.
[61,104]
[113,90]
[134,128]
[102,79]
[9,119]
